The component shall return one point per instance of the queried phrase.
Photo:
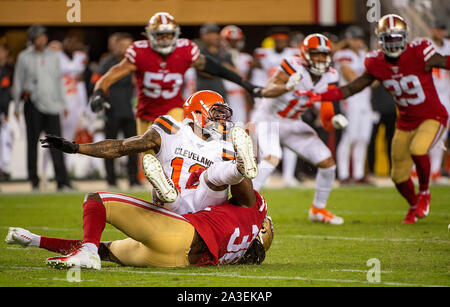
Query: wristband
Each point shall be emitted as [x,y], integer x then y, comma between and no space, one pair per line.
[334,94]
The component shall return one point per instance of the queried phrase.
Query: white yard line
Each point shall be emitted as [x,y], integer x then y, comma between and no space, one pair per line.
[400,284]
[431,240]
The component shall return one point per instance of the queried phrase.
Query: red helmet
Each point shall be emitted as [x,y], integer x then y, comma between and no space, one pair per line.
[208,111]
[234,36]
[316,43]
[162,23]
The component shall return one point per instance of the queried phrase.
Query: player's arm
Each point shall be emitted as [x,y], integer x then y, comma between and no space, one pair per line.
[107,149]
[207,64]
[114,74]
[340,93]
[348,73]
[276,86]
[438,61]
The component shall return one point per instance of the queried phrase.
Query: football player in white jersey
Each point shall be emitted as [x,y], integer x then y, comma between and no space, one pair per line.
[280,120]
[237,97]
[266,62]
[441,79]
[349,62]
[183,150]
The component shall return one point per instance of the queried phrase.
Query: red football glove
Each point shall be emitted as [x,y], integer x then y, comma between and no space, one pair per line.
[312,97]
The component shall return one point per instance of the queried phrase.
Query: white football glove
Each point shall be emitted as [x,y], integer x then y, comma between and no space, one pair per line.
[339,121]
[294,79]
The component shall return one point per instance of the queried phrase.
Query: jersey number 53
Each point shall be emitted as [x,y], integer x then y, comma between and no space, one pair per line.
[158,85]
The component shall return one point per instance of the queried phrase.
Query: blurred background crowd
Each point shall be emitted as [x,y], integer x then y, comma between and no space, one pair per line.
[80,55]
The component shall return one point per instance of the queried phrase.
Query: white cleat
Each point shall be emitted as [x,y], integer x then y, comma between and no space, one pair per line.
[82,257]
[243,148]
[18,236]
[324,216]
[164,186]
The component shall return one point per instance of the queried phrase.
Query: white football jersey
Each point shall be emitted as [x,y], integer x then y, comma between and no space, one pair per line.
[348,57]
[182,151]
[441,77]
[242,61]
[287,105]
[71,69]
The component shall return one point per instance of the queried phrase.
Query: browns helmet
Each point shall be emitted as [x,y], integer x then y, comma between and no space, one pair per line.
[162,23]
[314,44]
[232,33]
[392,34]
[209,111]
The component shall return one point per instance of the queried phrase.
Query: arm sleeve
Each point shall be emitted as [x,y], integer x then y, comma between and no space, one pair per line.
[18,82]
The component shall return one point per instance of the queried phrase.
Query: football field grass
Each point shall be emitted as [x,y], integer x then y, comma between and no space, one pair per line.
[302,254]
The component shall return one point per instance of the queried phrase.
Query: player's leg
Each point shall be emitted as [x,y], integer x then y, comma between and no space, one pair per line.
[401,171]
[436,157]
[289,166]
[424,138]
[361,144]
[157,237]
[343,157]
[269,149]
[176,113]
[307,144]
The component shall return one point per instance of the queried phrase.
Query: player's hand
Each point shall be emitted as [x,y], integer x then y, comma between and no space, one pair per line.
[97,102]
[339,121]
[293,80]
[255,91]
[53,141]
[307,98]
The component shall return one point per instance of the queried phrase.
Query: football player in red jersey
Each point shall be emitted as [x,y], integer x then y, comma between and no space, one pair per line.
[235,232]
[405,70]
[159,64]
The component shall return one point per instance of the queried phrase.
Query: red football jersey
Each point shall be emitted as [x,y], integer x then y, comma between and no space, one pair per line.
[410,84]
[228,230]
[160,80]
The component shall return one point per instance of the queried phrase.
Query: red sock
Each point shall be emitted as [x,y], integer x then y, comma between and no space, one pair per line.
[94,220]
[423,168]
[61,246]
[408,191]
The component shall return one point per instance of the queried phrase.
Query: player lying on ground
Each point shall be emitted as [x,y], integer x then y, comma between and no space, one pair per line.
[405,70]
[159,64]
[310,72]
[235,232]
[200,141]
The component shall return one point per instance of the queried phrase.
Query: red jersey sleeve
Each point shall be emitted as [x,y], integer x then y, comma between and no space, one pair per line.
[133,53]
[190,50]
[424,50]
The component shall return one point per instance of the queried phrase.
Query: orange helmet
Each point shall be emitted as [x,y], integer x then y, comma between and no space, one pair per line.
[392,33]
[234,36]
[208,111]
[162,23]
[316,43]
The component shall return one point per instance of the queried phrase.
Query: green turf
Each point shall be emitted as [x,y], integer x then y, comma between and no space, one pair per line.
[302,254]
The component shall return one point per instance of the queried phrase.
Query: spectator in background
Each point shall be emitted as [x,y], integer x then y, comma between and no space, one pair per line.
[349,61]
[383,105]
[211,45]
[6,73]
[73,60]
[441,79]
[238,99]
[38,83]
[120,116]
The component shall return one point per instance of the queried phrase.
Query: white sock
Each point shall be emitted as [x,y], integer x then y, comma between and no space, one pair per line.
[265,169]
[91,247]
[224,173]
[324,183]
[35,240]
[289,164]
[359,159]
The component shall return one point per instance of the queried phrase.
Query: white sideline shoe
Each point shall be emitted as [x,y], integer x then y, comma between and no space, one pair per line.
[243,148]
[82,257]
[164,186]
[18,236]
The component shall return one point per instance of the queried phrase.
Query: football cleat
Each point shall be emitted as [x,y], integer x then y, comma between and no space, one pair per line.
[324,216]
[164,186]
[82,257]
[410,217]
[18,236]
[243,147]
[423,204]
